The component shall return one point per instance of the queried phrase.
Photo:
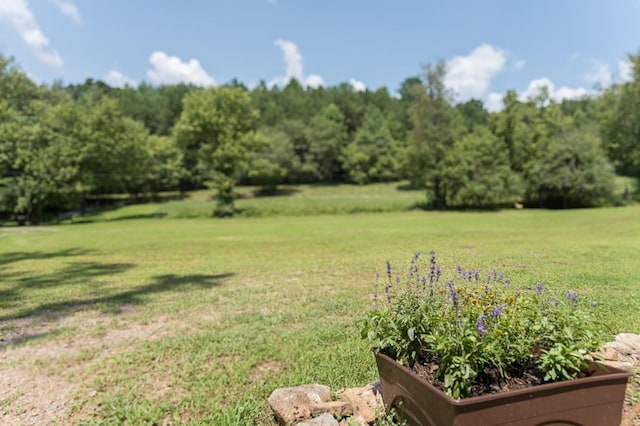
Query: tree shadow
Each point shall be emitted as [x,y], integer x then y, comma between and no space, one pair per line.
[110,301]
[114,300]
[19,256]
[408,187]
[271,192]
[154,215]
[426,206]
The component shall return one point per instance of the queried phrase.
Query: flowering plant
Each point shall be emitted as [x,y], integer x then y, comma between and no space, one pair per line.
[473,333]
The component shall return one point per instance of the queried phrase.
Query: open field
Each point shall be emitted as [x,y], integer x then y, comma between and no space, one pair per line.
[291,200]
[197,320]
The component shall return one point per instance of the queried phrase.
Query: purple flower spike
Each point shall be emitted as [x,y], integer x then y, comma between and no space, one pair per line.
[386,291]
[539,288]
[497,311]
[375,291]
[454,297]
[480,324]
[573,297]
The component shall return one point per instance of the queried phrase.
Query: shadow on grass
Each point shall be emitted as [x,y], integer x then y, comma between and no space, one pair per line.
[277,192]
[19,256]
[111,300]
[78,285]
[425,206]
[155,215]
[408,187]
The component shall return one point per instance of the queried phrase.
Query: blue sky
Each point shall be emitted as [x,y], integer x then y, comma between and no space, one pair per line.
[490,46]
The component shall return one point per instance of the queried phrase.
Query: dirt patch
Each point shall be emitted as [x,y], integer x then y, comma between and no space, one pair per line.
[29,398]
[266,368]
[41,377]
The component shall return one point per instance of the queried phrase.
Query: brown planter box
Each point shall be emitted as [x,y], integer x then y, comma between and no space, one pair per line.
[593,400]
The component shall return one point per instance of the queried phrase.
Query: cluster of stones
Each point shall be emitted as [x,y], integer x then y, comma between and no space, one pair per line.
[623,352]
[313,405]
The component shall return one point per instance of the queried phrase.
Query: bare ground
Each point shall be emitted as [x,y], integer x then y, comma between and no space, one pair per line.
[41,377]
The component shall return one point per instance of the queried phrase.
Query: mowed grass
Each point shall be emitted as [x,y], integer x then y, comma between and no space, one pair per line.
[298,200]
[253,304]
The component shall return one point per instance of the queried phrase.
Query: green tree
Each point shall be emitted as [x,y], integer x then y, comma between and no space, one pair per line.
[477,172]
[273,161]
[113,149]
[574,173]
[373,155]
[216,129]
[621,123]
[166,167]
[327,136]
[433,134]
[15,87]
[39,160]
[473,114]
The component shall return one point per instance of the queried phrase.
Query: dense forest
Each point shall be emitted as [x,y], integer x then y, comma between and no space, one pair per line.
[64,146]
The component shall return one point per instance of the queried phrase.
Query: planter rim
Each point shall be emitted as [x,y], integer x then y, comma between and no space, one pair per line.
[612,373]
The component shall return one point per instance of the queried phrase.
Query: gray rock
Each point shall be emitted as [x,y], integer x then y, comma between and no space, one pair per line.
[291,405]
[631,341]
[325,419]
[335,408]
[365,400]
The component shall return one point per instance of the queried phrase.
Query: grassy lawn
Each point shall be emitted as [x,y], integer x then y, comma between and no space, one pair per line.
[198,320]
[299,200]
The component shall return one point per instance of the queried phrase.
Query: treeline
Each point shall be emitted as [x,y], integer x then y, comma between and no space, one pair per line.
[62,146]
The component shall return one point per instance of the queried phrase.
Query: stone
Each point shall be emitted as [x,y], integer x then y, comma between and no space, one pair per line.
[325,419]
[620,346]
[630,340]
[291,405]
[357,421]
[365,401]
[335,408]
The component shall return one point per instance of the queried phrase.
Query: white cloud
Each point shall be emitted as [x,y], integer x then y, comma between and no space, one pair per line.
[294,68]
[358,86]
[314,81]
[519,64]
[625,70]
[116,78]
[469,76]
[69,9]
[20,17]
[493,102]
[600,75]
[562,92]
[171,70]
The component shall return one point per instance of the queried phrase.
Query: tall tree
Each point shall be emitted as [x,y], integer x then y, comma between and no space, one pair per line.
[216,129]
[39,159]
[327,137]
[434,132]
[478,173]
[113,149]
[273,160]
[373,155]
[621,123]
[574,172]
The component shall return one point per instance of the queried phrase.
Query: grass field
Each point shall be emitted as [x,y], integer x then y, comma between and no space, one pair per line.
[299,200]
[142,321]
